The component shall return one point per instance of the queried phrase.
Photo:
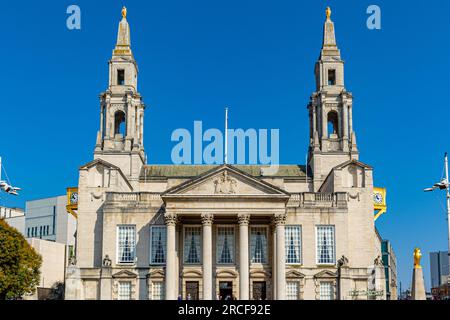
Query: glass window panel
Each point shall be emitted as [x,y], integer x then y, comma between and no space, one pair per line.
[326,291]
[225,245]
[293,244]
[158,240]
[192,248]
[158,291]
[292,290]
[325,245]
[126,244]
[258,245]
[124,291]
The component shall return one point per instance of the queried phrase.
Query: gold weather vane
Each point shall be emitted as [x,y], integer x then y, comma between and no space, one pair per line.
[124,12]
[417,257]
[328,13]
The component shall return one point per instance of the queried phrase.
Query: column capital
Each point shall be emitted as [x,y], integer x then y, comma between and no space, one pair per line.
[244,219]
[207,219]
[171,219]
[279,219]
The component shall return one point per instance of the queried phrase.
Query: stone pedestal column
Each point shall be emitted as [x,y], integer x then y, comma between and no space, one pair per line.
[171,274]
[207,220]
[244,220]
[418,285]
[280,221]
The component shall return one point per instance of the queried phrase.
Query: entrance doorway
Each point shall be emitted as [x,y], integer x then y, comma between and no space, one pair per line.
[192,290]
[259,290]
[226,290]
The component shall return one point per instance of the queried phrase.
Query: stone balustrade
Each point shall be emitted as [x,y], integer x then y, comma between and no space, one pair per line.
[306,199]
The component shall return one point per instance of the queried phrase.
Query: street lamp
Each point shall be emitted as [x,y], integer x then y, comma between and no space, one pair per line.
[5,186]
[444,185]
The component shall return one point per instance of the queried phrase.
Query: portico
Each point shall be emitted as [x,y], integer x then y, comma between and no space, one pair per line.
[221,204]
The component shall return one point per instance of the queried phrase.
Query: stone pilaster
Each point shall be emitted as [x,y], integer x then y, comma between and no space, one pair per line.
[207,221]
[244,221]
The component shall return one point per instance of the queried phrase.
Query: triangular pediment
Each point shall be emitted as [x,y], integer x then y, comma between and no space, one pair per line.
[325,274]
[225,181]
[124,274]
[99,162]
[353,163]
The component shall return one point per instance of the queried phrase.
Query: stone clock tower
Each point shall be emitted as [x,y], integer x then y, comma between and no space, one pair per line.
[332,139]
[120,140]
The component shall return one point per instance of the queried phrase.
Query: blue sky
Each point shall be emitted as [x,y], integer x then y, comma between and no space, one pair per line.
[257,57]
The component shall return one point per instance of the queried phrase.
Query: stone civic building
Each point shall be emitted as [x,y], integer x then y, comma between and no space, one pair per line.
[226,231]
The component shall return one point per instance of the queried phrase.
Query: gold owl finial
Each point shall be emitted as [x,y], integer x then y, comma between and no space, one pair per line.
[417,257]
[328,13]
[124,12]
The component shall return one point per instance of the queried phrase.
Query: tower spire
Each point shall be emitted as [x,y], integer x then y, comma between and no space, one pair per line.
[123,45]
[329,46]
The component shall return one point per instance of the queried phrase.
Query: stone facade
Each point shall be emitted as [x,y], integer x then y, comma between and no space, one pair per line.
[164,232]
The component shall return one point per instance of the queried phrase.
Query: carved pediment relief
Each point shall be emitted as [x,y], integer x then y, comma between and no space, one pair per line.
[225,181]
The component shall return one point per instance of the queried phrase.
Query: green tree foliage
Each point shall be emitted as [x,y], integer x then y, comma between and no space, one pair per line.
[19,264]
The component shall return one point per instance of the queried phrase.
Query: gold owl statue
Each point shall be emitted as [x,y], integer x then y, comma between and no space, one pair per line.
[417,257]
[328,13]
[124,12]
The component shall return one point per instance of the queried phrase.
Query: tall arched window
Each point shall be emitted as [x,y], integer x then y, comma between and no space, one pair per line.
[119,123]
[333,124]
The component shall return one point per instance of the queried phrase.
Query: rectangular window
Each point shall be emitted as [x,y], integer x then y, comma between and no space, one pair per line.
[158,240]
[48,230]
[40,231]
[158,291]
[326,291]
[293,244]
[325,245]
[225,245]
[124,290]
[28,232]
[121,77]
[192,248]
[331,77]
[292,290]
[258,245]
[54,221]
[126,243]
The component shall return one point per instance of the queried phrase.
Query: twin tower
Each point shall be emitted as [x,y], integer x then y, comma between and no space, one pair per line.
[120,139]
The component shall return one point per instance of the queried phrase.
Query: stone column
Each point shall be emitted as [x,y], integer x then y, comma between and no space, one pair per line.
[207,220]
[171,275]
[345,121]
[350,120]
[324,122]
[274,261]
[280,221]
[244,220]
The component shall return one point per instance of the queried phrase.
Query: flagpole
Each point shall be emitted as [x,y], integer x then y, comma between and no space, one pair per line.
[226,137]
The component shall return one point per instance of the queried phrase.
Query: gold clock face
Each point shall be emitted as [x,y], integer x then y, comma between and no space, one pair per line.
[74,198]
